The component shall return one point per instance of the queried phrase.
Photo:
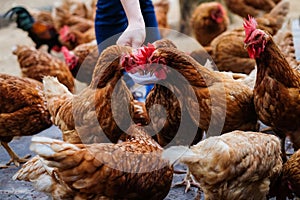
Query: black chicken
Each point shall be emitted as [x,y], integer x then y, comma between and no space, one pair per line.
[40,32]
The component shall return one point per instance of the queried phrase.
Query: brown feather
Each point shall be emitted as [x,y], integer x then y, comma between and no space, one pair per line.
[36,64]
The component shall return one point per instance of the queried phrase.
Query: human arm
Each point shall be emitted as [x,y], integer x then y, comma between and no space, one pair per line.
[135,33]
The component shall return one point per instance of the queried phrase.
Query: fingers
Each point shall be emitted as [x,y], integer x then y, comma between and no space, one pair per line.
[133,37]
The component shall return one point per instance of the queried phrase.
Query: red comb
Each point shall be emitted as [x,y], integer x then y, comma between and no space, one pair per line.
[144,53]
[65,51]
[249,25]
[69,57]
[64,30]
[137,61]
[64,34]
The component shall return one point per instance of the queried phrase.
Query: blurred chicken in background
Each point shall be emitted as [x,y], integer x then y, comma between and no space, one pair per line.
[40,28]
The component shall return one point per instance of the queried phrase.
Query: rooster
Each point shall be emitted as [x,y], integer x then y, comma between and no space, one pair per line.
[235,165]
[277,88]
[129,170]
[40,32]
[208,21]
[23,111]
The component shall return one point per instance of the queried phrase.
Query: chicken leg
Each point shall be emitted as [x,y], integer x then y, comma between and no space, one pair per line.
[188,181]
[14,157]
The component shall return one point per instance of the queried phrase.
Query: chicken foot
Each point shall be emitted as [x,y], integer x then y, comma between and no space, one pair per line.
[14,157]
[188,181]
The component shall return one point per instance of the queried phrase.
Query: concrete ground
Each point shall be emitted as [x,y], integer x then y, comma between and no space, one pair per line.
[11,36]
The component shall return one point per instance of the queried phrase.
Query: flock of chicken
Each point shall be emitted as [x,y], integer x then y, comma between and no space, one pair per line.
[112,145]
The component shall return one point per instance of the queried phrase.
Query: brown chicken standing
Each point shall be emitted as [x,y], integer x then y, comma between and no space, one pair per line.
[255,8]
[23,111]
[99,113]
[208,21]
[64,17]
[84,9]
[235,165]
[71,37]
[132,169]
[82,61]
[277,88]
[36,64]
[73,30]
[186,9]
[227,50]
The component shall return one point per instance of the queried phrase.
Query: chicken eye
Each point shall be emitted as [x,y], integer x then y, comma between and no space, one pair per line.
[257,37]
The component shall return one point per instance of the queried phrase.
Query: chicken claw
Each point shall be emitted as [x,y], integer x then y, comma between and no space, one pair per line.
[17,160]
[14,157]
[188,181]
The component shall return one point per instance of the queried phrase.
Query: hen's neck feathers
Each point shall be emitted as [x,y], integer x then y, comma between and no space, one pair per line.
[108,68]
[191,70]
[272,63]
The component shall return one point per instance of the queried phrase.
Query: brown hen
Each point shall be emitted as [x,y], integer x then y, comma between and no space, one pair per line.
[208,21]
[23,111]
[73,29]
[71,37]
[255,8]
[132,169]
[161,8]
[235,165]
[84,9]
[186,9]
[291,173]
[36,64]
[99,113]
[227,50]
[277,88]
[82,61]
[215,103]
[65,17]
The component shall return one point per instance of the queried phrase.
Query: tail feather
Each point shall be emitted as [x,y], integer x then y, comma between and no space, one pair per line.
[48,147]
[274,20]
[281,9]
[53,88]
[56,95]
[285,41]
[24,18]
[177,154]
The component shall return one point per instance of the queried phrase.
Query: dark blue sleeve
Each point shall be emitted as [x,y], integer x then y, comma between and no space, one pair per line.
[111,20]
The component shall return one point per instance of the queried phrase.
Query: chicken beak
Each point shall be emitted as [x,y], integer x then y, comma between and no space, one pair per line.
[246,45]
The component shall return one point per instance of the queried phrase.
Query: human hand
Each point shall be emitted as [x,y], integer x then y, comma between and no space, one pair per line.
[135,33]
[133,36]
